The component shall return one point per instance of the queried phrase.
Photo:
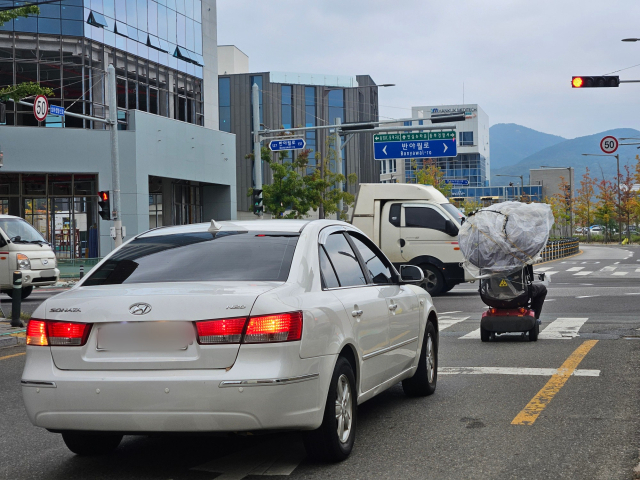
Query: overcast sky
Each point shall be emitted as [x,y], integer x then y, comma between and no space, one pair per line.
[515,57]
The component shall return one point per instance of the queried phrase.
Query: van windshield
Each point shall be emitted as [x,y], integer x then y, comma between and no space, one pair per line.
[453,211]
[20,231]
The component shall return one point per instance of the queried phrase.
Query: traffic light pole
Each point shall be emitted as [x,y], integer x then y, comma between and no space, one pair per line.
[257,156]
[115,154]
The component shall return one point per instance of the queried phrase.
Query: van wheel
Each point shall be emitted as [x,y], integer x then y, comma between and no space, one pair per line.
[433,280]
[424,381]
[333,440]
[91,443]
[26,291]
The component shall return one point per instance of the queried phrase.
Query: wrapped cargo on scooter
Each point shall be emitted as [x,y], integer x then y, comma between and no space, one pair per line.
[504,237]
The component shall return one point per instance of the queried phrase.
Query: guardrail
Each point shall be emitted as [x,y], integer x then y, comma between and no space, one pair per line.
[560,248]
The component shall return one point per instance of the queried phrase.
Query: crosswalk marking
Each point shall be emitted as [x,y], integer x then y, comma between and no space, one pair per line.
[444,322]
[575,269]
[543,269]
[582,273]
[472,335]
[549,273]
[608,269]
[619,273]
[563,328]
[637,270]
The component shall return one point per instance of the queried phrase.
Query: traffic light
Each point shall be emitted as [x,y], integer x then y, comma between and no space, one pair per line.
[258,208]
[595,82]
[104,205]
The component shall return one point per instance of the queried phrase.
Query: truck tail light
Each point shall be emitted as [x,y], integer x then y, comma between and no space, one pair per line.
[281,327]
[226,330]
[57,334]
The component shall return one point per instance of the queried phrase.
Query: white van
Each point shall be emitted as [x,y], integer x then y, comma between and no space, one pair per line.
[414,225]
[23,248]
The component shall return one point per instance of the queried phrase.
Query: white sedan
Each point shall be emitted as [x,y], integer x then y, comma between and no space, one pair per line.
[230,326]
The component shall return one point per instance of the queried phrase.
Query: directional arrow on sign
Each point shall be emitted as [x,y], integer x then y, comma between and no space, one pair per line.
[385,149]
[445,147]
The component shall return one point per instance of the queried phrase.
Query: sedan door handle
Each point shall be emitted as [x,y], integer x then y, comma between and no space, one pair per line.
[393,307]
[357,313]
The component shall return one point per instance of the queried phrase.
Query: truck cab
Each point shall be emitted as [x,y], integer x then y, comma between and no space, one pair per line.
[23,249]
[414,225]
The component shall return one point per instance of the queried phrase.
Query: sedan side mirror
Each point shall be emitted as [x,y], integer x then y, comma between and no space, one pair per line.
[411,274]
[450,228]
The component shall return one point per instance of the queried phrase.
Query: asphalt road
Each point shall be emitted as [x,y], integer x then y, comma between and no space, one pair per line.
[497,413]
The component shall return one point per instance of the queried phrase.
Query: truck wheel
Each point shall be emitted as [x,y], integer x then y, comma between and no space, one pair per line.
[26,291]
[433,280]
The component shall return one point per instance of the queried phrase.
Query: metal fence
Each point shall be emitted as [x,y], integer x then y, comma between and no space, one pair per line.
[71,268]
[560,248]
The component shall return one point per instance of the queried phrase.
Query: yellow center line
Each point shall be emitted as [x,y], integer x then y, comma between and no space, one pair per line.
[530,413]
[14,355]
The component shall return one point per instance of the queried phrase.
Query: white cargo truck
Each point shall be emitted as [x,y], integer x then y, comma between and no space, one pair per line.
[414,225]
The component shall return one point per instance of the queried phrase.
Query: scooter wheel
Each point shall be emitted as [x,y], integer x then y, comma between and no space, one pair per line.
[533,333]
[485,334]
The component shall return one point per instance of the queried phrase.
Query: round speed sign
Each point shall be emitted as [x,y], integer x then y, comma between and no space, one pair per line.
[609,144]
[41,108]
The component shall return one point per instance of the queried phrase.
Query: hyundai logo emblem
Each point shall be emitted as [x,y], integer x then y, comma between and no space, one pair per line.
[45,261]
[139,309]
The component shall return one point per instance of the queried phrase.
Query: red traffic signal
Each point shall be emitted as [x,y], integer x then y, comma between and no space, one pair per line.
[104,196]
[595,82]
[104,205]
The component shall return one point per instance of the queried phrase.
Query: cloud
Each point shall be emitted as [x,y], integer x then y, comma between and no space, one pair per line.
[516,58]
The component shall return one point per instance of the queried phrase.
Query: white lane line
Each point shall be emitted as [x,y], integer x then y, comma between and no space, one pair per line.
[632,293]
[472,335]
[543,269]
[448,322]
[546,372]
[586,296]
[616,263]
[575,269]
[619,273]
[562,328]
[582,273]
[445,313]
[637,270]
[263,459]
[550,300]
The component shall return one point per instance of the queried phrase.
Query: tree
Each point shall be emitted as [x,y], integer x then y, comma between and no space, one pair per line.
[563,207]
[584,200]
[628,199]
[292,193]
[430,174]
[26,89]
[605,210]
[469,206]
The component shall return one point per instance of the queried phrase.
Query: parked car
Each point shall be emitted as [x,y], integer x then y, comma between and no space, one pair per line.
[232,326]
[24,249]
[596,229]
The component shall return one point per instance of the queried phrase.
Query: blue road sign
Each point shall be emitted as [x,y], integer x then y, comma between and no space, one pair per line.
[56,110]
[415,149]
[289,144]
[457,181]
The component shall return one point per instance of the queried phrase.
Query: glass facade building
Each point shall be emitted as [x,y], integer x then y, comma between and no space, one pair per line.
[156,48]
[470,166]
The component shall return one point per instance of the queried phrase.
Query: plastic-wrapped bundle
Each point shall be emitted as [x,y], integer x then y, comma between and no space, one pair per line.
[504,237]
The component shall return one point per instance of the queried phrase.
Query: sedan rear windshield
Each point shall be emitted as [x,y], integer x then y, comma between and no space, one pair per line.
[200,256]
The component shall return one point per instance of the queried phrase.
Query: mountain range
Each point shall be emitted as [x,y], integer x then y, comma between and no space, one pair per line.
[515,149]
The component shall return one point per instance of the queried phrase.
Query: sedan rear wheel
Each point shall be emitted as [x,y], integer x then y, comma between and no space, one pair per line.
[86,443]
[333,441]
[424,381]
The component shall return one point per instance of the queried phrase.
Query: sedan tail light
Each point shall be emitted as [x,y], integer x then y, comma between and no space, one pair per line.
[57,334]
[227,330]
[280,327]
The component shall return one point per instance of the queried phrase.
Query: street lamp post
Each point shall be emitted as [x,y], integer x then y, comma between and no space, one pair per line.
[618,167]
[521,177]
[570,196]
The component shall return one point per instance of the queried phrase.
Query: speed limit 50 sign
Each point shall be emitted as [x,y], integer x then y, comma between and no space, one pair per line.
[41,108]
[609,144]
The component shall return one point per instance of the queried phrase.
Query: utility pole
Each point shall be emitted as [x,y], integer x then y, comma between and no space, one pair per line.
[257,156]
[339,164]
[115,154]
[619,206]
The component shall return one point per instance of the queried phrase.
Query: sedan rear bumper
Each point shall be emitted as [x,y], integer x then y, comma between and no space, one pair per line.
[288,394]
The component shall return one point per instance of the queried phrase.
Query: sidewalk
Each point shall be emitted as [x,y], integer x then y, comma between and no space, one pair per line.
[10,336]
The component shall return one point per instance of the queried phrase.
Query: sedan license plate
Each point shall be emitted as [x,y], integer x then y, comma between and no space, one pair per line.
[145,336]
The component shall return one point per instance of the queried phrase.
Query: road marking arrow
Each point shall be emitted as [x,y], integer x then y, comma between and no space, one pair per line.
[384,150]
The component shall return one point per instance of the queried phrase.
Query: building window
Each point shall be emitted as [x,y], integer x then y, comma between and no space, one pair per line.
[224,98]
[466,138]
[187,203]
[336,106]
[287,106]
[310,121]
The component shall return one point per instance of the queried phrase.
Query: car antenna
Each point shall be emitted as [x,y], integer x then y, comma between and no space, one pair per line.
[215,227]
